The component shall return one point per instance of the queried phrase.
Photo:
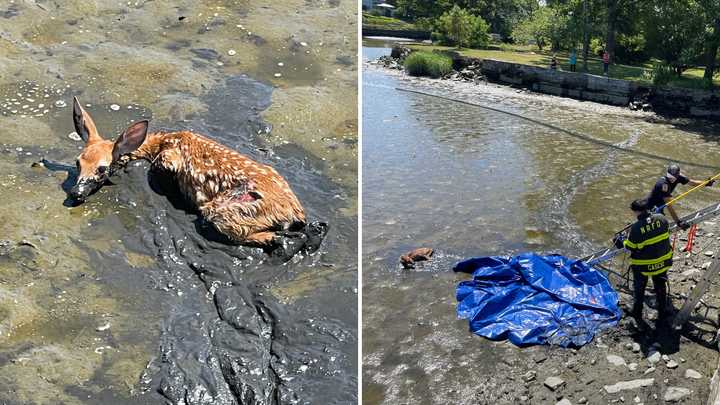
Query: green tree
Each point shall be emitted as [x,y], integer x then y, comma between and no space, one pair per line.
[711,41]
[479,33]
[538,27]
[500,15]
[422,8]
[674,33]
[459,26]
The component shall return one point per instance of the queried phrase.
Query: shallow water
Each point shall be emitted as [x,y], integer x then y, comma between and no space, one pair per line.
[467,182]
[125,299]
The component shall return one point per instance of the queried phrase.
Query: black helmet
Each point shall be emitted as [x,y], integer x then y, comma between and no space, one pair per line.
[639,205]
[673,169]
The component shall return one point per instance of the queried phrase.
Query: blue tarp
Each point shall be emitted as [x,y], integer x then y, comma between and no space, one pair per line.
[532,299]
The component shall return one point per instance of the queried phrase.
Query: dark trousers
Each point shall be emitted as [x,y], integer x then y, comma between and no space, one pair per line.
[605,68]
[660,287]
[572,67]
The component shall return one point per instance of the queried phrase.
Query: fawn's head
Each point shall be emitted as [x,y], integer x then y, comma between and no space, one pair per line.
[99,156]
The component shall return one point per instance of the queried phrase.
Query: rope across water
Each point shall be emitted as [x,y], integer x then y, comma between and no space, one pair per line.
[565,131]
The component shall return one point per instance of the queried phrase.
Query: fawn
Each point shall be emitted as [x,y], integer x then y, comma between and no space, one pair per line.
[248,202]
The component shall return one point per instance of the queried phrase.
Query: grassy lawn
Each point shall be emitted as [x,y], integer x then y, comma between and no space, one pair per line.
[386,23]
[527,55]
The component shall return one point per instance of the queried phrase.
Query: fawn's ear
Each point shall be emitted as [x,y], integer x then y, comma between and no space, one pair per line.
[84,125]
[130,140]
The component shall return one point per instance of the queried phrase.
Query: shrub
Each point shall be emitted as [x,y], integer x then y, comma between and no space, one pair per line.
[630,49]
[707,84]
[596,47]
[660,74]
[479,37]
[456,25]
[428,64]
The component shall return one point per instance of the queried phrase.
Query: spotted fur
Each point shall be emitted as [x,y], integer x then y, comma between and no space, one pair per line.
[245,200]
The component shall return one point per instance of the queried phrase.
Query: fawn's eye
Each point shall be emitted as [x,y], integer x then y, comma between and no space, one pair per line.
[102,169]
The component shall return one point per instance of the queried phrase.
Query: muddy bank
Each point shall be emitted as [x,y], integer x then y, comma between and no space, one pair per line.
[511,187]
[669,101]
[128,298]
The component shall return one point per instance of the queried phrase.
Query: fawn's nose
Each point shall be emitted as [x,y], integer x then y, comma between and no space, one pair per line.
[79,192]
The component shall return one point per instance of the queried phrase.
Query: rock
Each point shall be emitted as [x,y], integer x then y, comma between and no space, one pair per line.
[709,253]
[628,385]
[636,347]
[114,107]
[675,394]
[706,265]
[688,274]
[632,366]
[540,357]
[103,327]
[690,373]
[654,357]
[587,379]
[564,401]
[671,364]
[205,53]
[582,400]
[615,360]
[554,383]
[636,399]
[529,376]
[649,370]
[400,52]
[74,136]
[665,357]
[232,52]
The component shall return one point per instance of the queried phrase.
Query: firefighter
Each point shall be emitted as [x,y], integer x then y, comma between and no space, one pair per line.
[650,256]
[661,193]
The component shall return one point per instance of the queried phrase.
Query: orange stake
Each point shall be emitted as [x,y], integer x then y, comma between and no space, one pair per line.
[691,239]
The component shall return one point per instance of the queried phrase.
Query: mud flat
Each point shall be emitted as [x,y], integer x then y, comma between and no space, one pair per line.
[127,298]
[514,187]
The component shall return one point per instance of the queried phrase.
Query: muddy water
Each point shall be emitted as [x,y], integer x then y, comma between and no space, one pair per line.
[472,182]
[129,298]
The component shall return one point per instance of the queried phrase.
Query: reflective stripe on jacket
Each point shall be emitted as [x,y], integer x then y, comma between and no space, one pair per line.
[649,244]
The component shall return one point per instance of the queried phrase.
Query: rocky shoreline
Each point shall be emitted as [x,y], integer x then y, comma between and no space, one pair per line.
[624,364]
[667,101]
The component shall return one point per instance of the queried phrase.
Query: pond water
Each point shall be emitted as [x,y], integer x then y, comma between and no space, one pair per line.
[467,182]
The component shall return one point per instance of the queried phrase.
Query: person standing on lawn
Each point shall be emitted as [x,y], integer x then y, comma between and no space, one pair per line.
[553,63]
[606,62]
[573,60]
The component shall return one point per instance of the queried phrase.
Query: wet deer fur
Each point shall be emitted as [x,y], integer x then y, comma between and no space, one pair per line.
[245,200]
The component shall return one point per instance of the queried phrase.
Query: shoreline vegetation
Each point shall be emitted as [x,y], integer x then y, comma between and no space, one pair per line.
[691,78]
[669,101]
[663,43]
[433,64]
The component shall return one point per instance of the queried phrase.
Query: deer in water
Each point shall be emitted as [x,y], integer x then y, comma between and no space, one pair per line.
[246,201]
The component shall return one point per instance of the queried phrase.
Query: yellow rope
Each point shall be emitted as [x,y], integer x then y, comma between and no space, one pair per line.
[671,202]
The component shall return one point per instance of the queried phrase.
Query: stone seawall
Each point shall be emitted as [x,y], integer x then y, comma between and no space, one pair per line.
[672,101]
[580,86]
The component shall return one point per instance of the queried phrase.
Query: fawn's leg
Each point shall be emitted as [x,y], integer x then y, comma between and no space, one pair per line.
[261,238]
